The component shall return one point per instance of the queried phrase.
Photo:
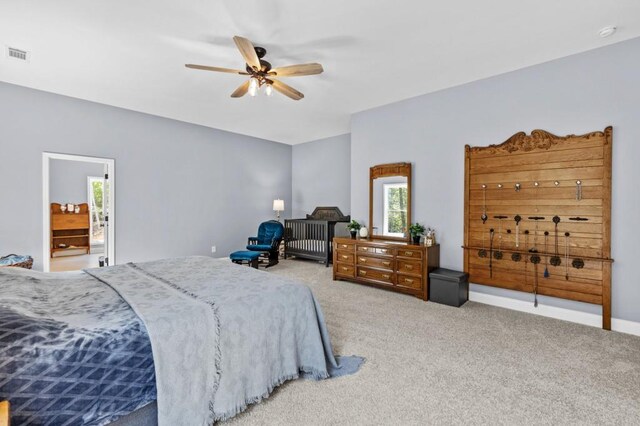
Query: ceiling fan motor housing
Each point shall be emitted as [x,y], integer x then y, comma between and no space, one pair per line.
[260,51]
[266,67]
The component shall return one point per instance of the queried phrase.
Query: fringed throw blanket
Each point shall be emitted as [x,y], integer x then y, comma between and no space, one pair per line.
[223,336]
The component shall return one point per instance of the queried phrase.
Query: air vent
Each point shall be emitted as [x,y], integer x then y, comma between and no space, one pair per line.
[14,53]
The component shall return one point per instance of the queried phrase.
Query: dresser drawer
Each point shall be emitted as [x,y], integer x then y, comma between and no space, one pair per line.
[345,270]
[376,275]
[344,256]
[410,253]
[409,281]
[410,267]
[69,221]
[378,251]
[345,246]
[374,262]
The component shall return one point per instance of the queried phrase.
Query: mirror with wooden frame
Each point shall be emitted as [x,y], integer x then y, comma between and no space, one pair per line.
[390,201]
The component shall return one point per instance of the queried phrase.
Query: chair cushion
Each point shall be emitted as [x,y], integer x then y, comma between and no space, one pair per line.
[269,231]
[244,255]
[259,247]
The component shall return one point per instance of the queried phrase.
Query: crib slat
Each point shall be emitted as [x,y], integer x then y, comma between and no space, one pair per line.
[309,238]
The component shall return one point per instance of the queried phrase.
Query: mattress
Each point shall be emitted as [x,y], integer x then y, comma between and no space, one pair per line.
[145,416]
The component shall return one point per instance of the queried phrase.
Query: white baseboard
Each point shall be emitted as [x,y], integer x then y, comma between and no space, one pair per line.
[593,320]
[625,326]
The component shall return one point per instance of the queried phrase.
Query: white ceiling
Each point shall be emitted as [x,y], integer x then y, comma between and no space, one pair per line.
[131,53]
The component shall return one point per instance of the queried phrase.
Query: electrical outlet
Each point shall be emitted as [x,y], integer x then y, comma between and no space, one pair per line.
[213,249]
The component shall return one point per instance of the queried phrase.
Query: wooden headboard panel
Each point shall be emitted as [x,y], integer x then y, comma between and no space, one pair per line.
[535,177]
[328,213]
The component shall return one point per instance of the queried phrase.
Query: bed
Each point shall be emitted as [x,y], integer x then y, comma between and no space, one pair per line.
[311,238]
[179,341]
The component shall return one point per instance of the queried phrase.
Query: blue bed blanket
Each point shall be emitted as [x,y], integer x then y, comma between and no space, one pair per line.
[71,350]
[77,349]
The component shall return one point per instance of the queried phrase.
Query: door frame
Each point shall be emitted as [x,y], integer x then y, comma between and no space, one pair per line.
[89,195]
[46,208]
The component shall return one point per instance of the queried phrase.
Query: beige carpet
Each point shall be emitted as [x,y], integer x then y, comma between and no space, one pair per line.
[434,364]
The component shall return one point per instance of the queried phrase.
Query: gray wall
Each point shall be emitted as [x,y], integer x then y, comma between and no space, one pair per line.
[321,173]
[68,180]
[180,188]
[577,94]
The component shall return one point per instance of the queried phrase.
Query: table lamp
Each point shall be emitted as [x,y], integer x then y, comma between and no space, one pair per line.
[278,206]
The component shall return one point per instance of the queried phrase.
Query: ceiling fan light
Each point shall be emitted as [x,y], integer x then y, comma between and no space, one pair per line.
[268,90]
[254,85]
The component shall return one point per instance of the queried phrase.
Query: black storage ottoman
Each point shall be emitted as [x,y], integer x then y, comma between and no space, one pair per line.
[448,287]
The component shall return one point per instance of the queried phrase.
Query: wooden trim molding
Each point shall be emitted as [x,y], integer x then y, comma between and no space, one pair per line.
[538,140]
[5,419]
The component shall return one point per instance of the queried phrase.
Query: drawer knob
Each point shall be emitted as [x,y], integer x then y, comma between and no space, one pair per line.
[409,267]
[363,260]
[408,280]
[408,253]
[386,276]
[363,272]
[344,256]
[363,248]
[344,268]
[386,263]
[383,250]
[344,246]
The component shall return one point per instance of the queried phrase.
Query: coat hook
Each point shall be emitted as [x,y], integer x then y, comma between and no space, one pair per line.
[517,187]
[578,190]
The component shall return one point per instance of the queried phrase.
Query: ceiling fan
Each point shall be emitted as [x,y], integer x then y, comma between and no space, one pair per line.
[262,75]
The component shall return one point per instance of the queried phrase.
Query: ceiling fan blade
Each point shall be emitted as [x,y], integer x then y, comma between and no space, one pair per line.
[248,52]
[286,90]
[218,69]
[241,90]
[297,70]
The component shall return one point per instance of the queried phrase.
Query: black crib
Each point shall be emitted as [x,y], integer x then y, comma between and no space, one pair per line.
[311,238]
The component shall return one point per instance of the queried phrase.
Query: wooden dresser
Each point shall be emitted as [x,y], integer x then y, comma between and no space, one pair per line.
[396,266]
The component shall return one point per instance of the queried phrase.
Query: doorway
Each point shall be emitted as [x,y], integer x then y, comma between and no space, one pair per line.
[78,212]
[95,197]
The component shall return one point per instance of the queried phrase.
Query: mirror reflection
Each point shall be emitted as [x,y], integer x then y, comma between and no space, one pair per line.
[389,206]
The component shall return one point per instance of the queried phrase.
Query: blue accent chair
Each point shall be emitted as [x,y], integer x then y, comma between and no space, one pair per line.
[268,240]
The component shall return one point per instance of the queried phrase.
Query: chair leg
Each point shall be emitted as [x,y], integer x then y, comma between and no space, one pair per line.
[273,258]
[271,263]
[254,263]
